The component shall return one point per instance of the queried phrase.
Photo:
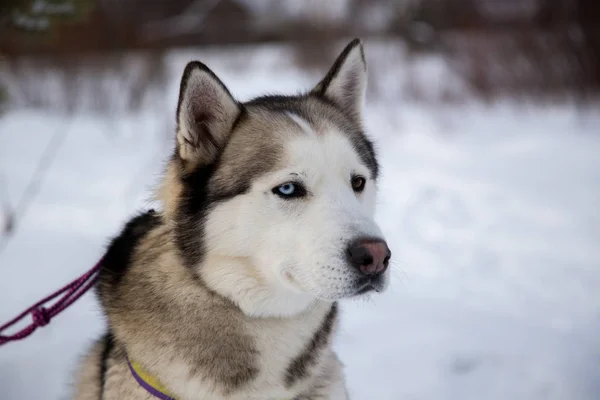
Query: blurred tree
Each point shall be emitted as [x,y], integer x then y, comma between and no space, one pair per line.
[3,99]
[588,14]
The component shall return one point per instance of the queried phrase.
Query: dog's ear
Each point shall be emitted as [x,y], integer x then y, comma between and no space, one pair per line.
[206,113]
[346,82]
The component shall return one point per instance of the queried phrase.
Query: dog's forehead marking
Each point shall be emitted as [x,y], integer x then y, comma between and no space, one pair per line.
[322,139]
[302,123]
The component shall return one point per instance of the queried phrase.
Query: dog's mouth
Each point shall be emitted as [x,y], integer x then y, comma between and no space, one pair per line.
[366,285]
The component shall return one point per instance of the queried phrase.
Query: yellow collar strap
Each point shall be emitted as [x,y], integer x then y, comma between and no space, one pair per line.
[148,382]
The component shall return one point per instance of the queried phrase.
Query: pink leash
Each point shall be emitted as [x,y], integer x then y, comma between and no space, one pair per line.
[41,315]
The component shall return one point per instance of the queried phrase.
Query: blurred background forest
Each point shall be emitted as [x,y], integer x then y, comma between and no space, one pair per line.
[546,49]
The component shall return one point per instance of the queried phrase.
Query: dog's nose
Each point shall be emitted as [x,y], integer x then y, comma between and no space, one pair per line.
[370,256]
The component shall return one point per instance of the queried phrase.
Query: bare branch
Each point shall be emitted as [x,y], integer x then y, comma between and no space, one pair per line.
[36,182]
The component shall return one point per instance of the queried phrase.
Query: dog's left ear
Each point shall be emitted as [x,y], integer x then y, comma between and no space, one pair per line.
[346,82]
[206,113]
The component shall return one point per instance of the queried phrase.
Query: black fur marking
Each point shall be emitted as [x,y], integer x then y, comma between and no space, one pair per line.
[298,368]
[367,153]
[109,343]
[117,259]
[195,205]
[278,102]
[191,213]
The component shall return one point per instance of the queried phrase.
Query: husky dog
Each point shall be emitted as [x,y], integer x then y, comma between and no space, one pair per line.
[266,220]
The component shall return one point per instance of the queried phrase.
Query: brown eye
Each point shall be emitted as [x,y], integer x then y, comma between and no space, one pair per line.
[358,183]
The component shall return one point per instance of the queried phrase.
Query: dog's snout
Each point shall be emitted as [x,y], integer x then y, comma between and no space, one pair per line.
[370,256]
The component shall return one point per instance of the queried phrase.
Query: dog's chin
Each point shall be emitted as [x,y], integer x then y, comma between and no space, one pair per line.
[360,287]
[365,286]
[356,287]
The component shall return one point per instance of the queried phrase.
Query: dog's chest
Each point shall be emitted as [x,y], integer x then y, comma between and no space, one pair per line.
[292,351]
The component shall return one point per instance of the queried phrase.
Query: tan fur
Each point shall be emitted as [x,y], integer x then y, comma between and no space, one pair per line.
[169,190]
[88,375]
[117,369]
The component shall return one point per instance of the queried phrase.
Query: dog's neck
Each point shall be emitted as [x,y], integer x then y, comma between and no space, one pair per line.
[233,279]
[195,337]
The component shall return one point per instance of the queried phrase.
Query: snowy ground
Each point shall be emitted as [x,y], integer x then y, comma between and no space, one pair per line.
[492,214]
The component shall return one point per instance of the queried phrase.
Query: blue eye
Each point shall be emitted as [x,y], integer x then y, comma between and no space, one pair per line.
[289,190]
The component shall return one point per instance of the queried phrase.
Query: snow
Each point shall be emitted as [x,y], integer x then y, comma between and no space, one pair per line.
[491,213]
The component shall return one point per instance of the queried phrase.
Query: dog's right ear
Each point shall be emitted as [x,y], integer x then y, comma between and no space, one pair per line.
[206,113]
[346,82]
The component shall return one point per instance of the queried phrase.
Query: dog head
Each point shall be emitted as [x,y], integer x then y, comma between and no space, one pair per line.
[273,199]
